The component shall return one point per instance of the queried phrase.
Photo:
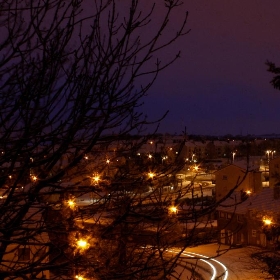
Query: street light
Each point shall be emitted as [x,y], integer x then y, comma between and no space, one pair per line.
[71,203]
[193,155]
[79,277]
[34,178]
[173,210]
[267,221]
[233,154]
[95,179]
[163,158]
[108,167]
[82,244]
[268,152]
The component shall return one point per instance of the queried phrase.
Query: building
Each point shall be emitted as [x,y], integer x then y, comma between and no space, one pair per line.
[250,219]
[235,177]
[28,248]
[274,172]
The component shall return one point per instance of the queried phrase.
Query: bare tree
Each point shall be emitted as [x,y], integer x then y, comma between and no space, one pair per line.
[72,73]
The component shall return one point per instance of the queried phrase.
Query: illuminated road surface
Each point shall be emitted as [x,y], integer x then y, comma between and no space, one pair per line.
[204,266]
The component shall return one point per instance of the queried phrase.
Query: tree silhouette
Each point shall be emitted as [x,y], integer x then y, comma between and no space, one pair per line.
[73,74]
[275,70]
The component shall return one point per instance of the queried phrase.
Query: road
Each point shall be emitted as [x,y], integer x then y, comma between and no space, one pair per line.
[230,264]
[199,266]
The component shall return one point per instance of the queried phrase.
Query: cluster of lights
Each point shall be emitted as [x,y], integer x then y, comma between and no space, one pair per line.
[268,152]
[80,244]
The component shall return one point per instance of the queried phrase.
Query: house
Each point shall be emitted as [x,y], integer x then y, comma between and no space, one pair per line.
[27,253]
[250,219]
[237,177]
[274,171]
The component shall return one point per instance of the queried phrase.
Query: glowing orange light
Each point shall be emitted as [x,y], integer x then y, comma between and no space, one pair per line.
[71,203]
[173,210]
[151,175]
[34,178]
[82,245]
[79,277]
[96,178]
[267,221]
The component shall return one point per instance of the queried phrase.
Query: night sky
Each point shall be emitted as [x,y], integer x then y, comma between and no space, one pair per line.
[221,84]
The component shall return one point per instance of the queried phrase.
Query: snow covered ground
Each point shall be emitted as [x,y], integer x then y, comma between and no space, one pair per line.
[237,260]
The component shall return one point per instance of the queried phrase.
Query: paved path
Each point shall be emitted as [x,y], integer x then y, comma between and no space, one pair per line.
[237,263]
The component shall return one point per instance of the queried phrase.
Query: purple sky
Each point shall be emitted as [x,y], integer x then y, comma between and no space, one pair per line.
[220,85]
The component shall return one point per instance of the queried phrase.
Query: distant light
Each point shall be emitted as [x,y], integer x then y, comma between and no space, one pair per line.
[173,210]
[267,221]
[79,277]
[34,178]
[71,203]
[82,244]
[96,178]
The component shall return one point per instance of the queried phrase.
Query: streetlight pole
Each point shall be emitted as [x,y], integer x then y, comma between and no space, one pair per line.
[233,154]
[268,152]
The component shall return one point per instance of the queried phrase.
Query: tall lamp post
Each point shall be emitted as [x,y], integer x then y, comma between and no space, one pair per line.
[233,155]
[268,153]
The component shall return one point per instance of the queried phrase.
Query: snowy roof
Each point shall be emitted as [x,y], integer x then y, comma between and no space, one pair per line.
[263,201]
[242,164]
